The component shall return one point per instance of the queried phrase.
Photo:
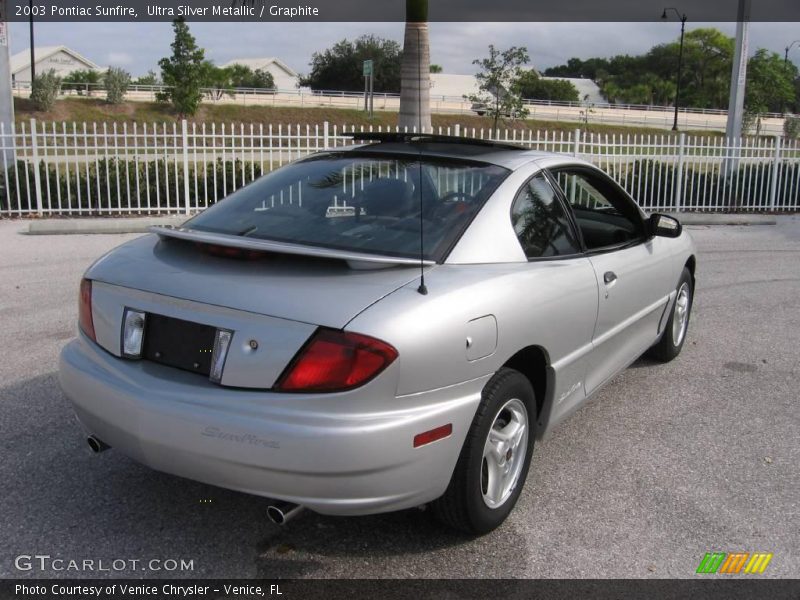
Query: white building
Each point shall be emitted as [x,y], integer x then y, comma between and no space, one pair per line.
[452,86]
[283,75]
[61,59]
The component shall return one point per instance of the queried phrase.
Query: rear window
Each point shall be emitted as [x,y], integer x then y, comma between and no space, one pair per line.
[359,202]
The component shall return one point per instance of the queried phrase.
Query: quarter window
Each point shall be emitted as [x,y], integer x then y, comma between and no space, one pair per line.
[540,221]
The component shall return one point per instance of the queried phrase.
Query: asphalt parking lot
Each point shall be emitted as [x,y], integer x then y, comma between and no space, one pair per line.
[667,463]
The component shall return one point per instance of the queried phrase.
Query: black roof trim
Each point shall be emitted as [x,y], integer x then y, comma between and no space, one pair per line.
[405,138]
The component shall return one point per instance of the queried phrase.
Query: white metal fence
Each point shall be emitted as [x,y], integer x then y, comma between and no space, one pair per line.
[140,168]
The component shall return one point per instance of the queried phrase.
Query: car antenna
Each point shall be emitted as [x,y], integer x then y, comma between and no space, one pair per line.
[422,289]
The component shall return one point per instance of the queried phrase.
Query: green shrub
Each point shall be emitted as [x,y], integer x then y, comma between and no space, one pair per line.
[791,127]
[116,82]
[45,90]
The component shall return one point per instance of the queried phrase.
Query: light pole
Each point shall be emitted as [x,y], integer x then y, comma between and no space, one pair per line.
[682,18]
[786,54]
[33,58]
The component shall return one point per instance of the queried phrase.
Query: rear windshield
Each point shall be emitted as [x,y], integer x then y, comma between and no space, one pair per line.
[359,202]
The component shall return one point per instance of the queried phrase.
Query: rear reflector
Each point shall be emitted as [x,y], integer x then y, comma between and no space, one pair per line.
[222,342]
[334,361]
[434,434]
[85,321]
[132,333]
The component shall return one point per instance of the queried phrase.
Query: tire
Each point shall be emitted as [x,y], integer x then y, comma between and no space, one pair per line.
[507,402]
[674,336]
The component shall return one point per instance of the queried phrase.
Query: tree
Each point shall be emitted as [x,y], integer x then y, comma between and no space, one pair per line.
[242,76]
[435,68]
[415,87]
[770,84]
[215,81]
[83,81]
[45,90]
[116,82]
[150,79]
[530,86]
[496,78]
[182,72]
[340,67]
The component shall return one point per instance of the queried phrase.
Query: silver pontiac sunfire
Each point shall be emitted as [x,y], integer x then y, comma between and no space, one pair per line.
[378,327]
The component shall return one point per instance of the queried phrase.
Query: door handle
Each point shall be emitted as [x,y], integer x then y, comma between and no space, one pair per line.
[609,277]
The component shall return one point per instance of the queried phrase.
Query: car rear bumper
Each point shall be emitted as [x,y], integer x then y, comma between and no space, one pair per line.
[339,454]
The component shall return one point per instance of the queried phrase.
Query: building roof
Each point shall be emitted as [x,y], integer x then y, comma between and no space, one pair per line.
[262,63]
[22,60]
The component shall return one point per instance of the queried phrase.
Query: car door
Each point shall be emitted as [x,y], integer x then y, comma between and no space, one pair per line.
[561,289]
[633,270]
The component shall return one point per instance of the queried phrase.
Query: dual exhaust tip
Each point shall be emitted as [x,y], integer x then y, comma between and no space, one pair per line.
[279,512]
[96,444]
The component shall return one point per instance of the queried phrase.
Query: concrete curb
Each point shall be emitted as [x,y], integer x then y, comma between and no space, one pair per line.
[92,226]
[688,218]
[140,224]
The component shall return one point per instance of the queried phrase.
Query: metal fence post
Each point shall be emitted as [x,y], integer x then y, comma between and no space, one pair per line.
[37,178]
[185,136]
[325,135]
[679,173]
[776,165]
[576,143]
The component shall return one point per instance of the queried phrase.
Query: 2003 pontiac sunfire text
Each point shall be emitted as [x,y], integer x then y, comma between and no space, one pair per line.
[219,10]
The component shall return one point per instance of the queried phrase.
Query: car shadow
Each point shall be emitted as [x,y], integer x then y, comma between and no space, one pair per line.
[107,505]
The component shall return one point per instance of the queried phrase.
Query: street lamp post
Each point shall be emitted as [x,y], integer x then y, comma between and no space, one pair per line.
[786,54]
[682,18]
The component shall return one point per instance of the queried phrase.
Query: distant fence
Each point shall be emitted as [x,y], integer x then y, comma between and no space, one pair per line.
[163,168]
[630,115]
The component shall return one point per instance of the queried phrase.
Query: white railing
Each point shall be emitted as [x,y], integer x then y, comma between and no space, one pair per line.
[140,168]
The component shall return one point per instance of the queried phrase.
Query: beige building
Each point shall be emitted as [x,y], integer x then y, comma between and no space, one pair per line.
[283,75]
[61,59]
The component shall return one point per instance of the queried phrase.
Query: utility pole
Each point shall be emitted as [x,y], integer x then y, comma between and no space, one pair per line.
[6,97]
[33,53]
[738,74]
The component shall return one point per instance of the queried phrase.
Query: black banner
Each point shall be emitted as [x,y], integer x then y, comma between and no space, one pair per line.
[392,10]
[396,589]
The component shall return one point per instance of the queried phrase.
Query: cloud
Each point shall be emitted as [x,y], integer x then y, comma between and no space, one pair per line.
[453,45]
[119,59]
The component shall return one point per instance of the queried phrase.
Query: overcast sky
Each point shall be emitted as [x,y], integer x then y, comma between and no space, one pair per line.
[138,46]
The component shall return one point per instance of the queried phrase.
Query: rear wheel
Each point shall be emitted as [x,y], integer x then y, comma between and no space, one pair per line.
[494,461]
[671,342]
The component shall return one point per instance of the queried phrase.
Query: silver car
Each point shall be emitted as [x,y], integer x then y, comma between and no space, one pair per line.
[378,327]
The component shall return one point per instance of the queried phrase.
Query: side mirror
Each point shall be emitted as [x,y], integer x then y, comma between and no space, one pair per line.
[664,226]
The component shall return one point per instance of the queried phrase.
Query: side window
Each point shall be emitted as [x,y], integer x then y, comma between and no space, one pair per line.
[603,217]
[540,221]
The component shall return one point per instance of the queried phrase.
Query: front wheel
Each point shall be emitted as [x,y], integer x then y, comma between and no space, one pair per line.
[671,342]
[494,461]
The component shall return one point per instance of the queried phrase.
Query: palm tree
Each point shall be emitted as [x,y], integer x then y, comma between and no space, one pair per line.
[415,83]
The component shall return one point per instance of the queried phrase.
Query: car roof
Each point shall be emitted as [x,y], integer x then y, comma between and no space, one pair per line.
[504,154]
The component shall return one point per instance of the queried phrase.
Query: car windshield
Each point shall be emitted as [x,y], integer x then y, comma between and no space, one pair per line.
[360,202]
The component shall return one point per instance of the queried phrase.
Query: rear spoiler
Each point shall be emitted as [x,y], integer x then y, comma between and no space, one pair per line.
[355,260]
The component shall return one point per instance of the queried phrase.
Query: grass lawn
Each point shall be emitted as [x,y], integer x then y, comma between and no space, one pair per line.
[97,110]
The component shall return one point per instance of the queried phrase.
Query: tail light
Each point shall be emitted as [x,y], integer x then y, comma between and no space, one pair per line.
[334,361]
[85,321]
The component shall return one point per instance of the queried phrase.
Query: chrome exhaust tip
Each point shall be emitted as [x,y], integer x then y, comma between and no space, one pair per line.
[96,444]
[281,512]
